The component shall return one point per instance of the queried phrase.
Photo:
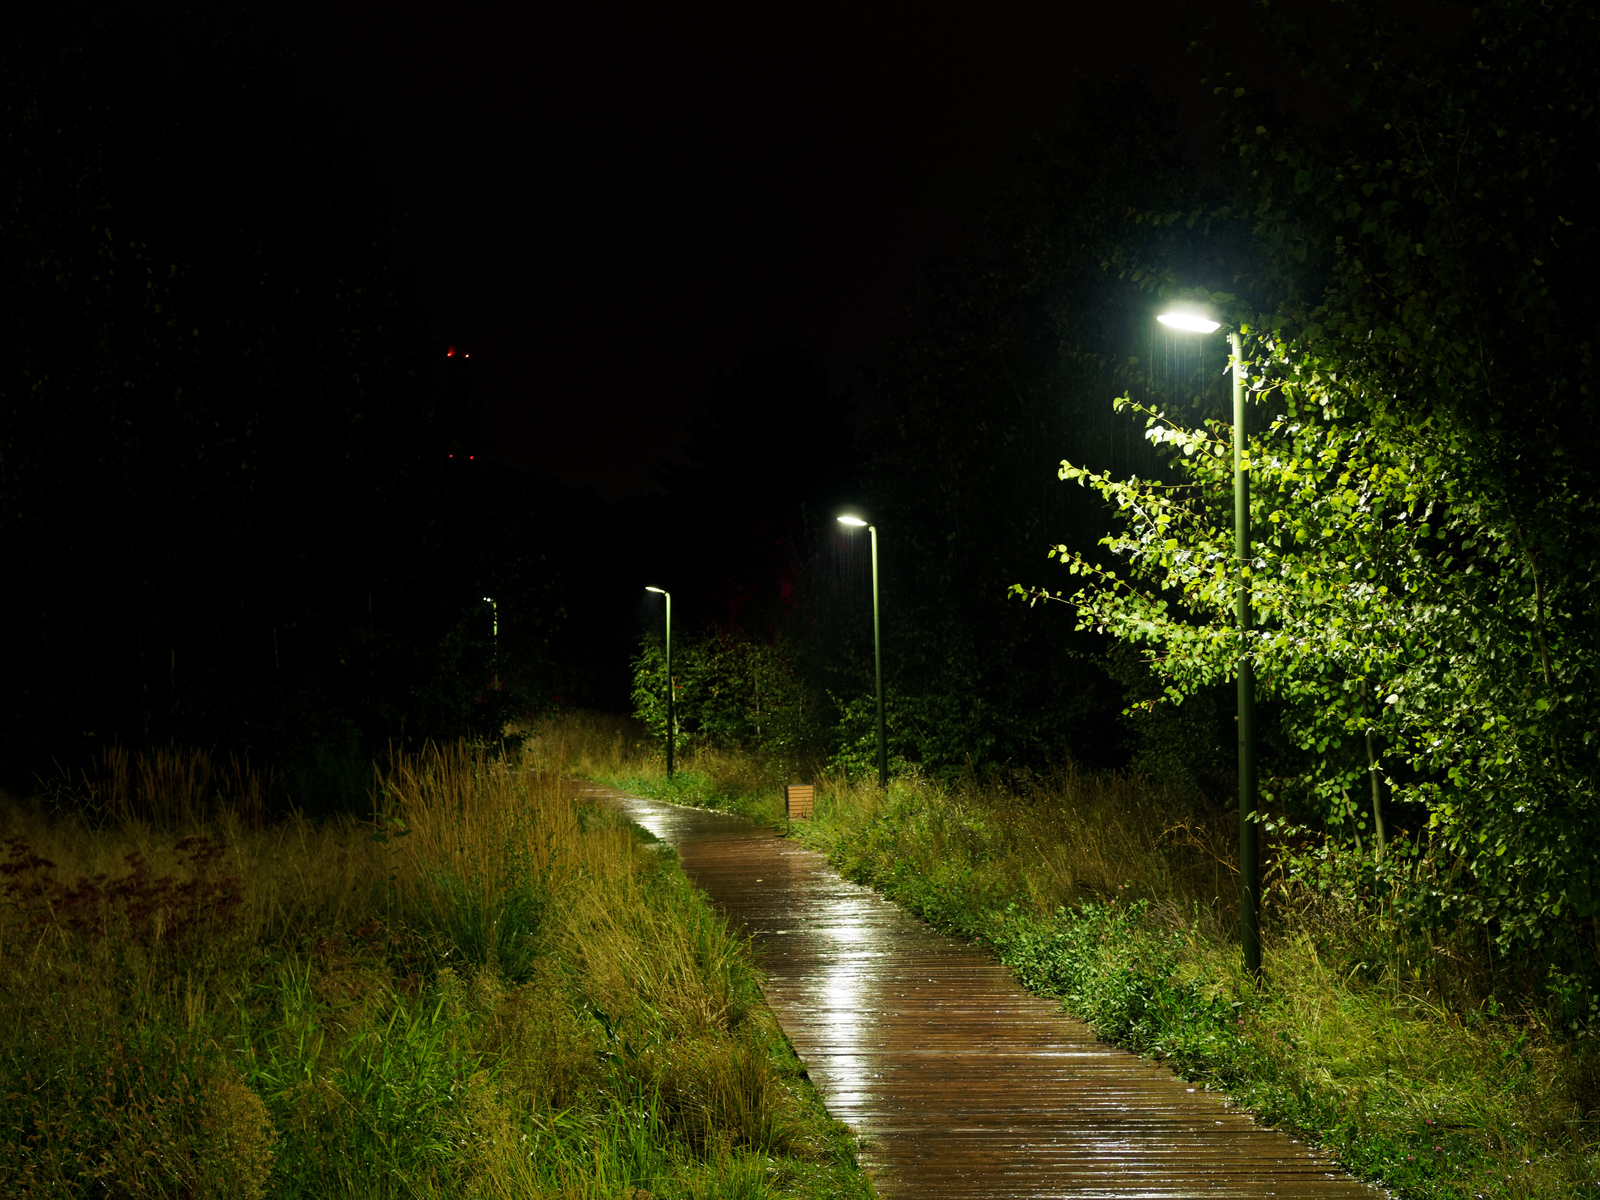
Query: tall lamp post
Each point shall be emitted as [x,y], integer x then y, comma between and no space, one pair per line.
[494,633]
[856,522]
[1249,844]
[672,722]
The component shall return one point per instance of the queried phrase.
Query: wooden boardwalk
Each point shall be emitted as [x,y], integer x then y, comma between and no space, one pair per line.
[960,1083]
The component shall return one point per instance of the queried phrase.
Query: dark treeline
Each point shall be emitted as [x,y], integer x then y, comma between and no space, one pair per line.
[1022,342]
[242,504]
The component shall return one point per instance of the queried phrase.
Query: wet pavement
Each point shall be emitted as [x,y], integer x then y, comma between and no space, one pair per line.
[958,1081]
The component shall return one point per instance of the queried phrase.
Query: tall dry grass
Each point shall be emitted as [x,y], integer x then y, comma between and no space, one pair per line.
[488,989]
[165,787]
[1044,840]
[587,743]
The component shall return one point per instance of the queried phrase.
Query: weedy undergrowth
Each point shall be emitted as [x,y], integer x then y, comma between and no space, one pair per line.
[617,752]
[489,989]
[1414,1057]
[1393,1050]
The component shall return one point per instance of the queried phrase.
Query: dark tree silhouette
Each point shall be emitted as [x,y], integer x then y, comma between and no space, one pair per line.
[221,426]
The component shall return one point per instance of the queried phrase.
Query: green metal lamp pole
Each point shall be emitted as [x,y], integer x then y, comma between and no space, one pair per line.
[494,615]
[877,648]
[1249,830]
[672,720]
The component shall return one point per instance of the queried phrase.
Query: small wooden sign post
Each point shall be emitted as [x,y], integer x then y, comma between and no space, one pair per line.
[797,800]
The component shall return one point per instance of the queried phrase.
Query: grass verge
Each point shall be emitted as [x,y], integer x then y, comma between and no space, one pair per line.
[489,990]
[614,751]
[1418,1065]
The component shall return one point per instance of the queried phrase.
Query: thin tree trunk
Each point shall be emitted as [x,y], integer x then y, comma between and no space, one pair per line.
[1372,776]
[1355,825]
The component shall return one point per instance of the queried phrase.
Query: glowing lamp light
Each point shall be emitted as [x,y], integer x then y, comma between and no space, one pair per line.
[656,590]
[451,352]
[1190,322]
[849,520]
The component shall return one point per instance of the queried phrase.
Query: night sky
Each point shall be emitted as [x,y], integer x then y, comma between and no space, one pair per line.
[607,205]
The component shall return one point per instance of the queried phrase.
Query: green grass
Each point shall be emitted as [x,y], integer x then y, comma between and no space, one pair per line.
[708,783]
[1416,1060]
[491,990]
[614,751]
[1099,893]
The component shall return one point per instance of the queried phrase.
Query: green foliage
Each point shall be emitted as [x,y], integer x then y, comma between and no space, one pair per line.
[1379,1045]
[494,925]
[855,736]
[387,1086]
[732,691]
[1424,553]
[1120,971]
[1388,611]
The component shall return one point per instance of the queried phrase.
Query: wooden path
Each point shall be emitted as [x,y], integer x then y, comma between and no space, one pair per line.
[960,1083]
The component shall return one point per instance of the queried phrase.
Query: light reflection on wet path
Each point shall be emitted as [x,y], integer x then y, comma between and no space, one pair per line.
[961,1083]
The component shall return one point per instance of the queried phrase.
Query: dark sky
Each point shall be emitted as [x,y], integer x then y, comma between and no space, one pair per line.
[605,204]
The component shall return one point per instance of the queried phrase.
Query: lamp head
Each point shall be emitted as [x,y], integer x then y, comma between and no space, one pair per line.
[852,520]
[656,590]
[1189,320]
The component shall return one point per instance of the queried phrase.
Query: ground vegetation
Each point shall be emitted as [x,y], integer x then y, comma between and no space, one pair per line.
[1398,1050]
[486,988]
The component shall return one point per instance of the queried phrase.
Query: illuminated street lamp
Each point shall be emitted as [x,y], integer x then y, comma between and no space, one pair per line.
[494,642]
[671,717]
[1249,844]
[856,522]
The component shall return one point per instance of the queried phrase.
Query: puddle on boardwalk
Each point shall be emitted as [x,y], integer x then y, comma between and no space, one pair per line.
[959,1082]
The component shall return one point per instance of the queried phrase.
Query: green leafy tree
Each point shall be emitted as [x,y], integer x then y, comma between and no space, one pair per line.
[1427,474]
[731,692]
[1403,635]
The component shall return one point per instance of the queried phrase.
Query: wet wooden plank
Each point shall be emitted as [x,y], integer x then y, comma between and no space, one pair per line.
[961,1083]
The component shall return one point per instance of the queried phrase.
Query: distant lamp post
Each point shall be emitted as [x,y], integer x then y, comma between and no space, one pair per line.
[494,637]
[1249,844]
[856,522]
[672,722]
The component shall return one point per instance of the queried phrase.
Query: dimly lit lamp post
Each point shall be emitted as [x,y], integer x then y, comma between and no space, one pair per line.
[494,637]
[672,723]
[877,645]
[1249,845]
